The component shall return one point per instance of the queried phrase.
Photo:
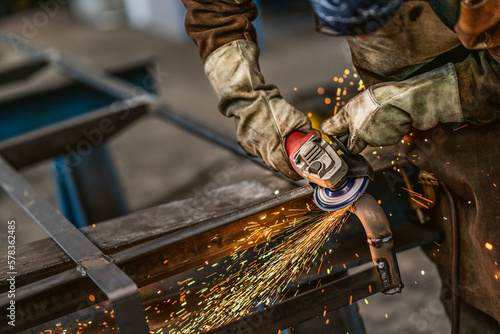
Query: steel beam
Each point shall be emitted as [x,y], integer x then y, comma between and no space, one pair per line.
[44,258]
[146,263]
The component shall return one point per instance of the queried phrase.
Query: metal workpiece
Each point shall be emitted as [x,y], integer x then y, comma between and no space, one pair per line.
[120,289]
[379,235]
[185,249]
[187,242]
[231,224]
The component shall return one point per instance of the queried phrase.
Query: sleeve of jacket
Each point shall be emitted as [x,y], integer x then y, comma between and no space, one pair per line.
[214,23]
[479,87]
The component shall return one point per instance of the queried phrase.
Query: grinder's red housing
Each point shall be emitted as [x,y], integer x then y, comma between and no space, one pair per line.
[293,143]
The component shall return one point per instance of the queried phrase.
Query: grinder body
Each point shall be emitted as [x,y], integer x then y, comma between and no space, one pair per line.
[339,177]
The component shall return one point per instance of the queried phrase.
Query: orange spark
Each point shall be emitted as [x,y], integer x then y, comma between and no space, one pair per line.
[420,203]
[463,126]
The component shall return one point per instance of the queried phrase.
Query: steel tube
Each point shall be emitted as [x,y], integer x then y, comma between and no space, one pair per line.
[69,290]
[378,232]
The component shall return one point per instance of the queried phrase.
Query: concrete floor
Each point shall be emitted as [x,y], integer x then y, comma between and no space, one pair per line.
[157,162]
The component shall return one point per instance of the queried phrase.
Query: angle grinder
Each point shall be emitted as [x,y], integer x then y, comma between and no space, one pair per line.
[339,177]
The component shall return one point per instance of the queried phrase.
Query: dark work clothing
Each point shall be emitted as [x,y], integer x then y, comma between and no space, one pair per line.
[211,24]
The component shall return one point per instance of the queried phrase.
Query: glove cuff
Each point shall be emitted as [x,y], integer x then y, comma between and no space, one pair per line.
[430,98]
[234,68]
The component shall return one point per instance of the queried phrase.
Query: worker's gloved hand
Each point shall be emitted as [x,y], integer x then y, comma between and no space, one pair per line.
[384,113]
[263,118]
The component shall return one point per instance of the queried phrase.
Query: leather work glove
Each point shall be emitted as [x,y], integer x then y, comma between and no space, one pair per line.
[384,113]
[263,118]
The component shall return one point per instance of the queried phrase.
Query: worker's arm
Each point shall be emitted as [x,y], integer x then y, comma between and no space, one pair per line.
[226,38]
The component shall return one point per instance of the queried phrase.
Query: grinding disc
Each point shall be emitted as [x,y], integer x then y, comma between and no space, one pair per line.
[331,200]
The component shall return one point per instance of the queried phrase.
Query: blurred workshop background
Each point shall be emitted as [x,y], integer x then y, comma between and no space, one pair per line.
[156,162]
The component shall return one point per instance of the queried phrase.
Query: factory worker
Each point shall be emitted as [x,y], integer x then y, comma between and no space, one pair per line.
[437,61]
[416,61]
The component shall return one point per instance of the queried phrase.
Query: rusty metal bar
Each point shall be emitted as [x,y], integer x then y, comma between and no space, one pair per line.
[44,258]
[193,240]
[69,291]
[212,224]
